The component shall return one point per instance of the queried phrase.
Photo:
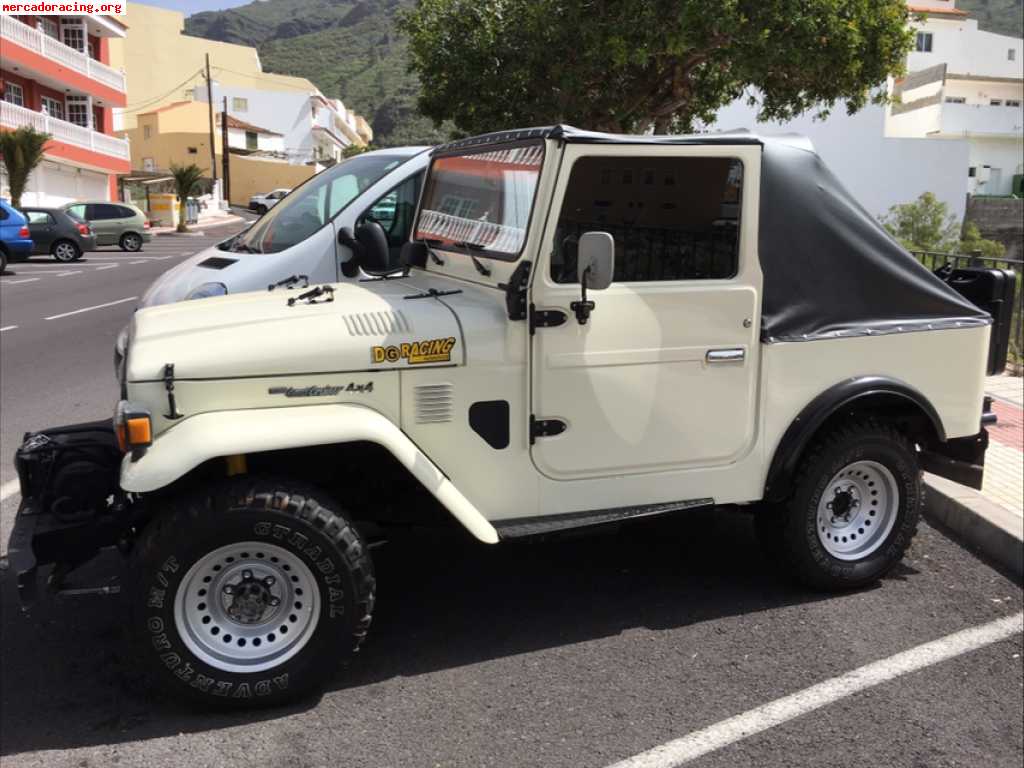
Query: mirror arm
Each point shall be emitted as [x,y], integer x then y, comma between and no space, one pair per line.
[583,308]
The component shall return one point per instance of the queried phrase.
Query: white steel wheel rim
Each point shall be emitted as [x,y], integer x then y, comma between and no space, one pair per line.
[64,252]
[857,510]
[247,607]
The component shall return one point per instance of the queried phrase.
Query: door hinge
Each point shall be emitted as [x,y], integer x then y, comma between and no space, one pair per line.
[515,291]
[546,318]
[545,428]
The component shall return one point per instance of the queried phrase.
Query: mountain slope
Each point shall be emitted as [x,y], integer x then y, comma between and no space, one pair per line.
[349,48]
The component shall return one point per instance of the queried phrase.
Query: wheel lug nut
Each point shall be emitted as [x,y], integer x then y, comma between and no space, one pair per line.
[246,575]
[269,581]
[229,589]
[274,601]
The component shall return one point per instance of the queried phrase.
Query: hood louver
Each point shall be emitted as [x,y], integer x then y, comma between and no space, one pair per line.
[376,323]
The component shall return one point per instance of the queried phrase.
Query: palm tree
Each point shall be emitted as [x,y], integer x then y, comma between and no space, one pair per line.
[186,177]
[21,151]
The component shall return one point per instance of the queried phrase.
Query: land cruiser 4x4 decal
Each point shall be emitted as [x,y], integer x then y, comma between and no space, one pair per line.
[416,352]
[320,390]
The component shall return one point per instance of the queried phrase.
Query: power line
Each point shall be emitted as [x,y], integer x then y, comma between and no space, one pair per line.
[154,100]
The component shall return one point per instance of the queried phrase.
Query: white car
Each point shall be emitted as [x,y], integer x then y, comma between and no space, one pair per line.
[300,237]
[263,203]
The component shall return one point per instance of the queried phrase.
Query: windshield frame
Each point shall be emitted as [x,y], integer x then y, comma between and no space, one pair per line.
[506,256]
[278,210]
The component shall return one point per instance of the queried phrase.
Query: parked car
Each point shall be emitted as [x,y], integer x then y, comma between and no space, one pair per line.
[263,203]
[586,329]
[114,223]
[59,233]
[301,235]
[15,238]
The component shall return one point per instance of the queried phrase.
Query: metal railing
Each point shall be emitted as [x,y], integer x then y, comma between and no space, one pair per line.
[14,116]
[48,47]
[934,260]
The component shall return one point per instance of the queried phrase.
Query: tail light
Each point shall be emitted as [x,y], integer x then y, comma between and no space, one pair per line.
[23,232]
[147,224]
[83,229]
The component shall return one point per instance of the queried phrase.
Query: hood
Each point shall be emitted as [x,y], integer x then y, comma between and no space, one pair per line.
[369,326]
[176,282]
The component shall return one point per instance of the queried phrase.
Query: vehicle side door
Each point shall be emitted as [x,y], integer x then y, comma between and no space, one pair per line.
[43,229]
[394,211]
[662,376]
[104,222]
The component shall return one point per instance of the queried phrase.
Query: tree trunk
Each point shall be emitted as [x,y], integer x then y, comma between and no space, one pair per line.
[662,123]
[182,227]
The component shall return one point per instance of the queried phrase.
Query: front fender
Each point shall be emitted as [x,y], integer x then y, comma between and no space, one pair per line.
[210,435]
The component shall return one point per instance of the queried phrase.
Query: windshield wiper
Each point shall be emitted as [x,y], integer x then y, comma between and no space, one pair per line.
[290,282]
[480,266]
[243,248]
[428,241]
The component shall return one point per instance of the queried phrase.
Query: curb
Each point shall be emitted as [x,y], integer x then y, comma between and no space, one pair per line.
[977,522]
[197,228]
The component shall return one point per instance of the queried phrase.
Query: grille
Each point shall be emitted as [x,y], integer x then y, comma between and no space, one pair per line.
[376,323]
[433,403]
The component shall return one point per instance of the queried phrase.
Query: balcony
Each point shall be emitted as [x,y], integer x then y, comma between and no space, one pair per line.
[982,120]
[48,48]
[13,116]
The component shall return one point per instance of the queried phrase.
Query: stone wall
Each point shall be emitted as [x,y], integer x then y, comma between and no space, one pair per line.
[999,218]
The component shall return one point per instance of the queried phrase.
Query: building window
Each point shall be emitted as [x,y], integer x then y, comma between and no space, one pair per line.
[148,164]
[193,151]
[1011,54]
[251,140]
[53,108]
[924,42]
[49,27]
[972,172]
[995,102]
[1013,102]
[956,100]
[188,95]
[13,94]
[93,53]
[78,110]
[239,104]
[73,34]
[147,131]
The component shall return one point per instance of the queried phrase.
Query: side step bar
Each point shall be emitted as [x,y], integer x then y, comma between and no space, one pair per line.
[514,528]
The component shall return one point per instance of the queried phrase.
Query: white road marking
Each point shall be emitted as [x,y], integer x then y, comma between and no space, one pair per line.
[8,489]
[90,309]
[8,328]
[73,272]
[108,266]
[18,282]
[136,262]
[754,721]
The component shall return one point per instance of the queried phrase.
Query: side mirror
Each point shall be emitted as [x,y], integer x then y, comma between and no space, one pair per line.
[595,266]
[370,249]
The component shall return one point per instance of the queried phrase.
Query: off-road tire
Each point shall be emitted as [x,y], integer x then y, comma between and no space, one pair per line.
[3,261]
[790,530]
[292,516]
[65,251]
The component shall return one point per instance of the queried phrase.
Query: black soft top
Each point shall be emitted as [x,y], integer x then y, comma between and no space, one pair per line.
[830,269]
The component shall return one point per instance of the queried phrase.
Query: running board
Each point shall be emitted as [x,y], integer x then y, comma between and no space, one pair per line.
[514,528]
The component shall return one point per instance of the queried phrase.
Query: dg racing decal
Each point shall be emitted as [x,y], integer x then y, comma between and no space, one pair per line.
[415,352]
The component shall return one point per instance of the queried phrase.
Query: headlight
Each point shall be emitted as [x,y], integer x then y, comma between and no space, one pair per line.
[206,290]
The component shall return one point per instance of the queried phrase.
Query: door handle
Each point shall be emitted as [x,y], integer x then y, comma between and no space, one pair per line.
[734,355]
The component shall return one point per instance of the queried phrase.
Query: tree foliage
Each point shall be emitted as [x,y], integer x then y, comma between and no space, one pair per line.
[186,179]
[21,150]
[629,65]
[927,225]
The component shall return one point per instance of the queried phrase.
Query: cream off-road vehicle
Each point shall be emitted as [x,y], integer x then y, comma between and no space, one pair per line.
[589,328]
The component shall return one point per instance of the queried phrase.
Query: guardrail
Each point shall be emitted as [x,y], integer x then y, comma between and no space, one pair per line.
[935,260]
[39,42]
[14,116]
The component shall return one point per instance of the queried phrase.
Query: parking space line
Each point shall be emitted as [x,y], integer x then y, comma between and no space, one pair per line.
[137,262]
[107,266]
[73,272]
[754,721]
[11,487]
[8,328]
[90,309]
[18,282]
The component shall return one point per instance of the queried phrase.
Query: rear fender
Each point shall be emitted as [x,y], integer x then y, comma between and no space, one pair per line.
[210,435]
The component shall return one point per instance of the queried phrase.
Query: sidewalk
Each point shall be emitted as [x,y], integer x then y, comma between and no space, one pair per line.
[992,520]
[204,223]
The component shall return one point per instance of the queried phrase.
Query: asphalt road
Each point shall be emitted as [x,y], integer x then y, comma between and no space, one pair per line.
[575,652]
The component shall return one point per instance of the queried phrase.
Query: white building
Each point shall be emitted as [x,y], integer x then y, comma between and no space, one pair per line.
[310,126]
[956,131]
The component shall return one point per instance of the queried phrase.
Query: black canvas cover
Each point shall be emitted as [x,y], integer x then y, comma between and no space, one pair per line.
[830,269]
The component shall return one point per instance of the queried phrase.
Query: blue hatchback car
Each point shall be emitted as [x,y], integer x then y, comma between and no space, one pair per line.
[15,241]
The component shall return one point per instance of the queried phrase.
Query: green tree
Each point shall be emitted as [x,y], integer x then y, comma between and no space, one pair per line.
[633,65]
[923,225]
[21,150]
[973,243]
[186,179]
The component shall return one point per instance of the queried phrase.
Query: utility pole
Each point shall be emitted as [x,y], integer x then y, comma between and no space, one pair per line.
[209,101]
[224,150]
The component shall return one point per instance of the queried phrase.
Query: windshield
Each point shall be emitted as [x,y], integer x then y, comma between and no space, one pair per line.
[314,203]
[481,200]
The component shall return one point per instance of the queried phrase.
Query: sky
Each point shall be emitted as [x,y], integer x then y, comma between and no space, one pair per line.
[188,7]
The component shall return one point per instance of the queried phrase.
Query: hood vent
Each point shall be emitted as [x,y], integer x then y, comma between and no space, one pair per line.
[216,262]
[376,323]
[433,403]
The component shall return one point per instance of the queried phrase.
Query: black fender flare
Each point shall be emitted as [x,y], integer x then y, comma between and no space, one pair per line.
[803,428]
